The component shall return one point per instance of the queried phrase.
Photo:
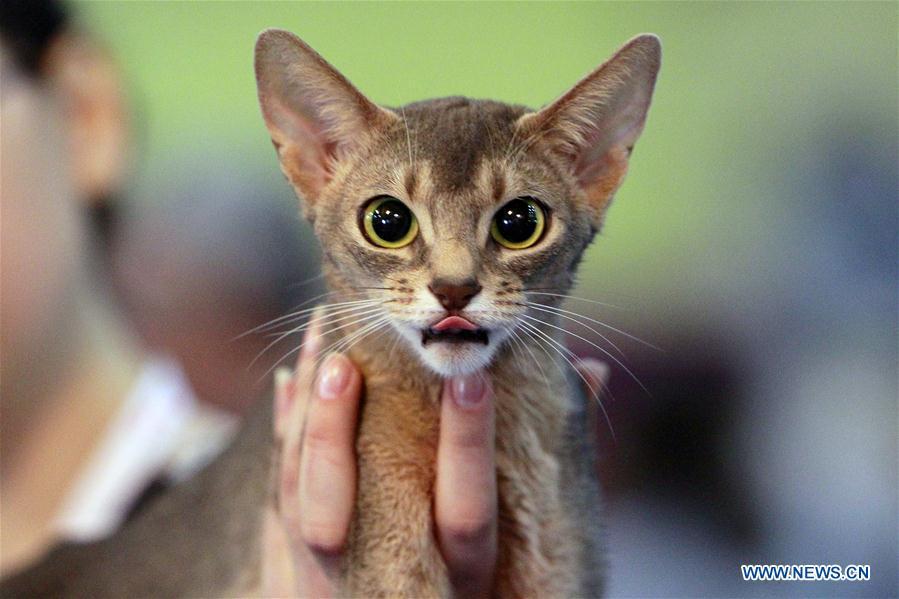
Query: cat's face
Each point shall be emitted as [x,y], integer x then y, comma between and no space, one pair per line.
[452,220]
[454,216]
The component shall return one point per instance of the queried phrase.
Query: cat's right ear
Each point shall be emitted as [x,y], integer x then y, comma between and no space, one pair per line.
[314,115]
[593,127]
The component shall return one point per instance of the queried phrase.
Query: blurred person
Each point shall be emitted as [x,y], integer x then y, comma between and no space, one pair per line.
[89,419]
[214,256]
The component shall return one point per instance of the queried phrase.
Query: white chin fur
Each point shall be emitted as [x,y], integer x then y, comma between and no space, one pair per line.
[454,359]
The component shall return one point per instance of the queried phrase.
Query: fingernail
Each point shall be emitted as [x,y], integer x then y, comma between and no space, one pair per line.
[282,379]
[312,338]
[334,376]
[468,391]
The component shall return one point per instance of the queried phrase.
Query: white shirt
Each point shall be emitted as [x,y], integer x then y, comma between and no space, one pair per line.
[161,430]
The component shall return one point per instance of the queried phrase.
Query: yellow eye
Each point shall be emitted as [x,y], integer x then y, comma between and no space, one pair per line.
[519,224]
[388,223]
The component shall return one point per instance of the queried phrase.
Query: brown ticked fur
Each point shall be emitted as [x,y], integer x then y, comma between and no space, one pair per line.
[454,162]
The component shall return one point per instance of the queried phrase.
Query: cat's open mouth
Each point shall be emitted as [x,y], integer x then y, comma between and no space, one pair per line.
[455,329]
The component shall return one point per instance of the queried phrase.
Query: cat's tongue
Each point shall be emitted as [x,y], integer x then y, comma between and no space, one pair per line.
[454,323]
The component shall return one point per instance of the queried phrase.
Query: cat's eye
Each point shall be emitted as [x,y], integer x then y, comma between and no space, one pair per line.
[388,223]
[519,224]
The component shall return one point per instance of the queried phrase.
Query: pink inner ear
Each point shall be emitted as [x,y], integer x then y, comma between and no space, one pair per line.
[291,126]
[306,153]
[612,137]
[604,170]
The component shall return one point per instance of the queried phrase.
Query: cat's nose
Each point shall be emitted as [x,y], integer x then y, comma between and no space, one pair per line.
[454,296]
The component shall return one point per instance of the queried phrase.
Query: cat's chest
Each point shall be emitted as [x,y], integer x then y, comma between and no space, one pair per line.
[531,416]
[400,429]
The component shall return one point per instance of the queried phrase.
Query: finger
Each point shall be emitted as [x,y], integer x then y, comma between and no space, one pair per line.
[596,373]
[288,414]
[283,393]
[312,342]
[465,493]
[277,557]
[328,460]
[289,569]
[289,417]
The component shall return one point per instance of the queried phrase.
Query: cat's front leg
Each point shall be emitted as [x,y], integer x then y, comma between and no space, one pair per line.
[392,547]
[392,550]
[427,505]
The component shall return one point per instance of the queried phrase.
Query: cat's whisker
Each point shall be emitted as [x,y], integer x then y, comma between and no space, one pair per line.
[340,340]
[543,345]
[288,315]
[266,325]
[564,314]
[374,327]
[317,277]
[323,334]
[599,322]
[324,320]
[514,343]
[344,344]
[396,340]
[558,347]
[573,356]
[514,332]
[328,319]
[524,326]
[408,137]
[539,344]
[308,321]
[325,308]
[573,297]
[603,350]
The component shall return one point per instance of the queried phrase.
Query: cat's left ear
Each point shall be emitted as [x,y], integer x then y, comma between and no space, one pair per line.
[593,127]
[314,115]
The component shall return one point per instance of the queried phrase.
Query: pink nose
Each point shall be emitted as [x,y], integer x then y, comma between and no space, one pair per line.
[454,296]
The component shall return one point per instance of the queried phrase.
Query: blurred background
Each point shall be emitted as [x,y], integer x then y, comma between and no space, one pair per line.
[754,242]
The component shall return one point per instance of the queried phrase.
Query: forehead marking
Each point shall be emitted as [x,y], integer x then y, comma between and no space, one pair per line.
[499,183]
[456,134]
[410,182]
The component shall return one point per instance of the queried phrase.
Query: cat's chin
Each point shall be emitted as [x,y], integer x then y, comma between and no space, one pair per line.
[455,358]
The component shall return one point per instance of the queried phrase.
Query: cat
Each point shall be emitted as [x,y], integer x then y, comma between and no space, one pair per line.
[456,225]
[438,220]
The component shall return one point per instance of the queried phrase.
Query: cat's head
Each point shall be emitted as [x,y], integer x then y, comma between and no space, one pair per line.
[447,217]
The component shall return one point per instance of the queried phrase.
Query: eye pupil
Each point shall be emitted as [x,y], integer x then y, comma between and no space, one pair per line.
[388,223]
[517,221]
[391,220]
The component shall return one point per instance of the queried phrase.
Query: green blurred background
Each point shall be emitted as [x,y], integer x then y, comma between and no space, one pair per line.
[755,240]
[742,86]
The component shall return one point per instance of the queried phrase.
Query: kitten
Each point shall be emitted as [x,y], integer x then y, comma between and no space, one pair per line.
[453,223]
[440,221]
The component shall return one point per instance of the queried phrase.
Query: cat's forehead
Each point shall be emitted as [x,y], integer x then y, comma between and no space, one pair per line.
[454,135]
